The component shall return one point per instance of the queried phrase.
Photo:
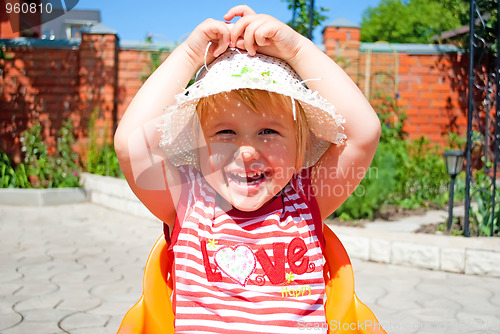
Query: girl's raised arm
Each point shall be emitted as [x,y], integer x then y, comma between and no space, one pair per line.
[149,174]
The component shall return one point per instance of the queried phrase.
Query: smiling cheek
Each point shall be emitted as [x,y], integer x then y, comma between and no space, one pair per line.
[216,158]
[282,158]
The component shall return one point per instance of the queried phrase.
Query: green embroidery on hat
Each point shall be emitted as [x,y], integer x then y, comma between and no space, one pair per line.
[243,71]
[247,72]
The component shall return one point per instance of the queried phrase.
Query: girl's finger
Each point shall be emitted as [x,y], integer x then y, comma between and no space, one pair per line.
[249,38]
[240,10]
[264,35]
[222,45]
[218,33]
[237,30]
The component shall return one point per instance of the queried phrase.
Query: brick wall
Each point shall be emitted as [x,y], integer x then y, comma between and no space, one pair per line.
[433,104]
[54,80]
[426,81]
[37,82]
[134,65]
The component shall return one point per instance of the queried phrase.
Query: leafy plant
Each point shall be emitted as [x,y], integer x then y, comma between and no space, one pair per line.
[3,56]
[50,171]
[411,21]
[422,177]
[67,169]
[456,142]
[300,16]
[36,158]
[482,195]
[408,173]
[374,189]
[101,159]
[11,177]
[40,169]
[155,57]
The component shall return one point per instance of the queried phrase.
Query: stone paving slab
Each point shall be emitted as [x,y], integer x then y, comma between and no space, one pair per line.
[78,268]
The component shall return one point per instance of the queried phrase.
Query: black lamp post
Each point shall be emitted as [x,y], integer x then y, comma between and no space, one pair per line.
[454,161]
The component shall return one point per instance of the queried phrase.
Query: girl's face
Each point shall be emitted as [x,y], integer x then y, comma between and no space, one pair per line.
[248,157]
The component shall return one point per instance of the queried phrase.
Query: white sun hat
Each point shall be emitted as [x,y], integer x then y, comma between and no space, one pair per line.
[235,69]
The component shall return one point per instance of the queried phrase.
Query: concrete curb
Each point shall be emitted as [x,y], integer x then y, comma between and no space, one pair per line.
[42,197]
[114,193]
[474,256]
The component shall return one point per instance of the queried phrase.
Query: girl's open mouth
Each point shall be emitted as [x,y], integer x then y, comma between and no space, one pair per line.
[253,178]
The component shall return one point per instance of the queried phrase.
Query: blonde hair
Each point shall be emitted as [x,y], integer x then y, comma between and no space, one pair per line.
[259,101]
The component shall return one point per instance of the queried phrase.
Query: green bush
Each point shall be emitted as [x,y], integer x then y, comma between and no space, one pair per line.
[101,159]
[404,173]
[50,171]
[373,190]
[481,194]
[40,169]
[67,168]
[11,177]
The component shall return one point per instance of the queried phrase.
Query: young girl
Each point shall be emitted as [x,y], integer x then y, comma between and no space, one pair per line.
[246,165]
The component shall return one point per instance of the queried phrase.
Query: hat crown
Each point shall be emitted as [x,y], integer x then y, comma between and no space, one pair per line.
[239,65]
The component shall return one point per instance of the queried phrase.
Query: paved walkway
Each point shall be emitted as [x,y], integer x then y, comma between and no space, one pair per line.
[78,268]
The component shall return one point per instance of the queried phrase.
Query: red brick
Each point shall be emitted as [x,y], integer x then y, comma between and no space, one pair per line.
[419,103]
[420,70]
[420,120]
[430,95]
[419,87]
[429,79]
[430,128]
[410,128]
[428,60]
[407,60]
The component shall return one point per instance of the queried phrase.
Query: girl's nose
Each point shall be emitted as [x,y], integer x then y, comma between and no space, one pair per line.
[247,153]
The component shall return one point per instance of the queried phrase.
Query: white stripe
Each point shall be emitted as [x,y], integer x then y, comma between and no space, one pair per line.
[272,315]
[181,287]
[232,226]
[264,305]
[293,228]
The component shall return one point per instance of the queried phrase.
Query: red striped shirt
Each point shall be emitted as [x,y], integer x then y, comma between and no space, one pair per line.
[247,272]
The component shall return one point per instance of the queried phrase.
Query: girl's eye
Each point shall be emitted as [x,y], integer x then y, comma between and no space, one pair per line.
[226,132]
[268,132]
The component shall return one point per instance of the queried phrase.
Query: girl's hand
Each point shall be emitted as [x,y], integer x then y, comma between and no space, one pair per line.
[263,33]
[210,30]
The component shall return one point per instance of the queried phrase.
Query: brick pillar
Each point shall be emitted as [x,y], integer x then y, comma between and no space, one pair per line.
[339,40]
[98,72]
